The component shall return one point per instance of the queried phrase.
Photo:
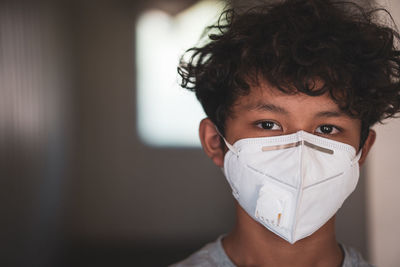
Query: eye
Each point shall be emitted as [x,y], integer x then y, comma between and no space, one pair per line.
[269,125]
[327,129]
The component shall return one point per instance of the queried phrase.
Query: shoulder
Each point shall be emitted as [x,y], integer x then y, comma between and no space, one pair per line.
[210,255]
[352,258]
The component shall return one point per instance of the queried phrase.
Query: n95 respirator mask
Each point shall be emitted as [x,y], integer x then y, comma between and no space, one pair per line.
[291,184]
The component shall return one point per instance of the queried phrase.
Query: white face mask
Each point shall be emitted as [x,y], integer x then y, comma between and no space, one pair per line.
[292,184]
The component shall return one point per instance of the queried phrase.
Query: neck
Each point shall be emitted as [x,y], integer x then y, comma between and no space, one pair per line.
[251,244]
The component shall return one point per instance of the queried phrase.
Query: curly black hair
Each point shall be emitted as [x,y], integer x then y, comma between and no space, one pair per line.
[293,43]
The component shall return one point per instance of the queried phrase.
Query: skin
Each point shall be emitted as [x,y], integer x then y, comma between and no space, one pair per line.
[268,112]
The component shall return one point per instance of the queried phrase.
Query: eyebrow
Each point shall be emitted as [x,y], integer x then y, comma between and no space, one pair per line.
[261,106]
[330,114]
[267,107]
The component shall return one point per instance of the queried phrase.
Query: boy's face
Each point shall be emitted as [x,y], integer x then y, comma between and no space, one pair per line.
[266,111]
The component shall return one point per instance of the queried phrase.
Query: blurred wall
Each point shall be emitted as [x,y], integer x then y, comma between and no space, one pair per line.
[125,191]
[35,130]
[383,197]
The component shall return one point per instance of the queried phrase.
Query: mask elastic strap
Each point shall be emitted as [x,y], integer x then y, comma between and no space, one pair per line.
[230,147]
[357,157]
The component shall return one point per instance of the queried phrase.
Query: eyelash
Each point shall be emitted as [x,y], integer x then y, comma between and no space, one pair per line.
[334,128]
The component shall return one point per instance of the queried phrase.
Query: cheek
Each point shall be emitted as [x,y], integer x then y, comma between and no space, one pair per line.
[354,140]
[352,137]
[234,130]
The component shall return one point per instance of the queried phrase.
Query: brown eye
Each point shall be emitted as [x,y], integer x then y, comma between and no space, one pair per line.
[327,129]
[269,125]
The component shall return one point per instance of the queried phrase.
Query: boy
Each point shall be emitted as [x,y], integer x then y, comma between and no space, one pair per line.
[291,91]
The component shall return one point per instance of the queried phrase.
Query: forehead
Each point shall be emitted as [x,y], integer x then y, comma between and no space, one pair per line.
[265,96]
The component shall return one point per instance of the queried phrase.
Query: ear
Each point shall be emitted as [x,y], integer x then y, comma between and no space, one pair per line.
[367,146]
[211,142]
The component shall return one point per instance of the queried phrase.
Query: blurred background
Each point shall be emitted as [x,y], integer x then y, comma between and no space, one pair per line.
[99,159]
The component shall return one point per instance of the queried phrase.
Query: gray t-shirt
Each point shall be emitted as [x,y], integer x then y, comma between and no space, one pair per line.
[213,254]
